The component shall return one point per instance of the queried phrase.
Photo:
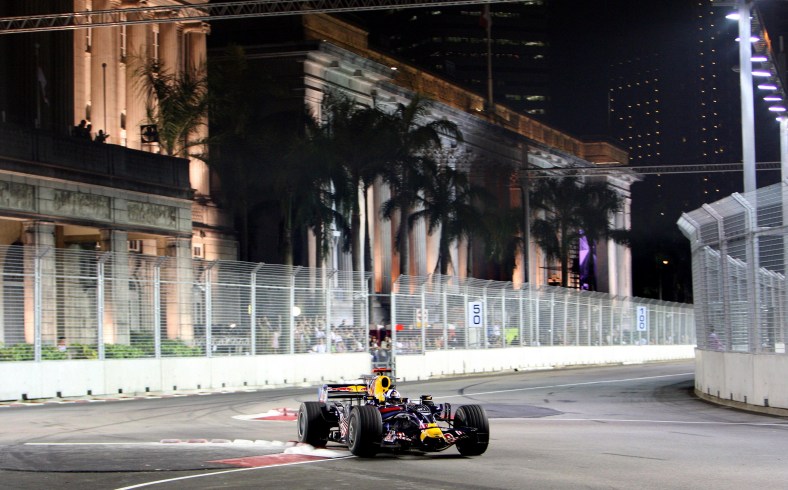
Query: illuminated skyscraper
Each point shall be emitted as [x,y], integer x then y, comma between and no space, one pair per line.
[452,42]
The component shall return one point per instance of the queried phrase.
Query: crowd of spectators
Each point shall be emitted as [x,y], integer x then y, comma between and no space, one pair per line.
[85,131]
[380,350]
[312,335]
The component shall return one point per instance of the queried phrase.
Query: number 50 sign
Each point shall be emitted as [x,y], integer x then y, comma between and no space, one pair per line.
[475,314]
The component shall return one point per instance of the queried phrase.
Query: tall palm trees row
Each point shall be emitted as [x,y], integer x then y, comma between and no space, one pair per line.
[287,170]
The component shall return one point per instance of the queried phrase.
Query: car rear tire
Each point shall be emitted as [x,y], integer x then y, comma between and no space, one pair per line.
[473,416]
[313,428]
[365,428]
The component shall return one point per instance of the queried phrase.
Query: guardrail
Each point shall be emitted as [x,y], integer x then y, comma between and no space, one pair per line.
[739,257]
[58,304]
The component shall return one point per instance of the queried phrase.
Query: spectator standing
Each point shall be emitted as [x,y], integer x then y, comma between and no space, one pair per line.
[101,136]
[79,129]
[714,342]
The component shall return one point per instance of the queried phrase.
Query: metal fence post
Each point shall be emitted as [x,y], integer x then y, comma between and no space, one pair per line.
[753,268]
[100,303]
[37,306]
[424,318]
[537,317]
[721,282]
[208,310]
[291,317]
[503,317]
[253,309]
[552,317]
[465,317]
[393,330]
[329,291]
[601,323]
[157,307]
[445,303]
[485,340]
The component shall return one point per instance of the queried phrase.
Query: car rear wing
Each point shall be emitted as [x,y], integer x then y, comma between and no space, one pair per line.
[342,390]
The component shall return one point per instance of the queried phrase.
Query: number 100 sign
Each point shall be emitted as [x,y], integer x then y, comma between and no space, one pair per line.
[475,314]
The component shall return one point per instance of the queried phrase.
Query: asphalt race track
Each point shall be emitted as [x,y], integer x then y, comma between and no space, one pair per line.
[635,426]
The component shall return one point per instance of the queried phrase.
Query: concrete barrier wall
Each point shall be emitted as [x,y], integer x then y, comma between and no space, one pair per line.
[49,379]
[455,362]
[734,378]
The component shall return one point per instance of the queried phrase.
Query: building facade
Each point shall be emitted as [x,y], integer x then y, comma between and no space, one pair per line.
[499,146]
[63,191]
[92,75]
[452,42]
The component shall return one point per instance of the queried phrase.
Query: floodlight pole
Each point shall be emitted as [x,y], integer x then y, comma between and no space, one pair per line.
[747,97]
[784,148]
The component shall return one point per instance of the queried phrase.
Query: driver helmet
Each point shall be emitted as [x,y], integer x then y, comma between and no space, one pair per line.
[392,396]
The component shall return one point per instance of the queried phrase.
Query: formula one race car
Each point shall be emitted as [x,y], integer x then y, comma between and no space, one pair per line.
[371,416]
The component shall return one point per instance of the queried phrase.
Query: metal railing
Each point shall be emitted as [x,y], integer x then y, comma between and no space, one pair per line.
[444,312]
[86,304]
[739,258]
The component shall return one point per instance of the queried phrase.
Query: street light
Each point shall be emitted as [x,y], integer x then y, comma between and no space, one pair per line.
[767,69]
[661,267]
[747,97]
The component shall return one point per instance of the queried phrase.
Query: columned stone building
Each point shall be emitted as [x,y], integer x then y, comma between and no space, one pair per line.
[68,193]
[54,80]
[318,53]
[63,191]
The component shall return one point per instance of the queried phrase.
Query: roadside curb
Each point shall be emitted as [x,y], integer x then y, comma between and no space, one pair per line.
[117,398]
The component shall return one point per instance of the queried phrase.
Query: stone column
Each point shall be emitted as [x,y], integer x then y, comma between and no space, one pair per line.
[178,291]
[194,40]
[625,282]
[116,287]
[137,49]
[384,245]
[423,254]
[169,43]
[39,241]
[81,67]
[105,110]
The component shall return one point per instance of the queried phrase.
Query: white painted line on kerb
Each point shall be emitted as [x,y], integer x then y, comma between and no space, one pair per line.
[647,421]
[531,388]
[202,475]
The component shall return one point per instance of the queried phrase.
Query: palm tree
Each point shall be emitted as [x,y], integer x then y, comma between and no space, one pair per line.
[238,140]
[264,155]
[176,102]
[448,202]
[572,211]
[357,140]
[412,139]
[503,239]
[302,178]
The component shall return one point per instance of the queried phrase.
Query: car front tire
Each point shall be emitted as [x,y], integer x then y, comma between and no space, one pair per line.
[365,429]
[473,416]
[313,428]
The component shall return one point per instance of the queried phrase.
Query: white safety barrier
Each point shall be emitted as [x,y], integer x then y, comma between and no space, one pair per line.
[69,378]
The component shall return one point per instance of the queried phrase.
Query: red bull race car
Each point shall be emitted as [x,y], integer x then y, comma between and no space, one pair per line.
[371,416]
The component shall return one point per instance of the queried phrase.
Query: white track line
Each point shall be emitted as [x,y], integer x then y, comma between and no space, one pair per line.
[531,388]
[151,483]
